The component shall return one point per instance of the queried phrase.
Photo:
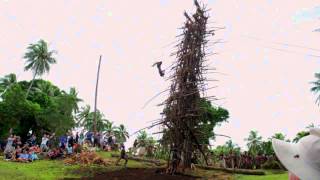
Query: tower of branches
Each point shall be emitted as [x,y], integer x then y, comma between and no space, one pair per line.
[188,85]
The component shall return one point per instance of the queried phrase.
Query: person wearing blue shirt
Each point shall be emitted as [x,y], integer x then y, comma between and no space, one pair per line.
[63,141]
[89,136]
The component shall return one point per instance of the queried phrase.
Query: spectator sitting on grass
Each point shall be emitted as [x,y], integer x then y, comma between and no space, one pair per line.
[23,157]
[35,149]
[55,153]
[18,151]
[69,150]
[32,155]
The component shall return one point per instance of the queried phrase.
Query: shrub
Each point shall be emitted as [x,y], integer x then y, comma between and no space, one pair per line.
[271,164]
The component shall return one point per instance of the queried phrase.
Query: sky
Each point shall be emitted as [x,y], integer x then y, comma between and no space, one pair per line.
[268,57]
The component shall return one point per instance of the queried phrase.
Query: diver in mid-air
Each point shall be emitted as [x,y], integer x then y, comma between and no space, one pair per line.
[161,72]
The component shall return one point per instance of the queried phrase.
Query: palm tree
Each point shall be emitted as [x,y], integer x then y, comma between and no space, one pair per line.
[75,100]
[83,116]
[96,97]
[316,87]
[266,147]
[101,122]
[38,60]
[300,135]
[310,126]
[279,136]
[45,87]
[232,147]
[121,133]
[142,138]
[7,81]
[254,142]
[109,127]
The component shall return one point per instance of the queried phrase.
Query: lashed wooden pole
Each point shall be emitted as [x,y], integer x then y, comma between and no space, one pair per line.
[95,98]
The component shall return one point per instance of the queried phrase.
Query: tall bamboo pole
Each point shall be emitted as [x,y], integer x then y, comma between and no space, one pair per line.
[95,98]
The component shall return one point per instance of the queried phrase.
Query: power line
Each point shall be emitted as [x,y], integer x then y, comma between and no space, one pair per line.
[288,51]
[281,43]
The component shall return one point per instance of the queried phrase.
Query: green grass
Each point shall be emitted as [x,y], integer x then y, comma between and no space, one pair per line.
[43,169]
[271,175]
[56,169]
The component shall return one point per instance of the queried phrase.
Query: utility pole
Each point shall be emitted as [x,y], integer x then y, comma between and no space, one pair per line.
[95,98]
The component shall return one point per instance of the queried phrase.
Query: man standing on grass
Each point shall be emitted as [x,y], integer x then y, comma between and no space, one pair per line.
[123,155]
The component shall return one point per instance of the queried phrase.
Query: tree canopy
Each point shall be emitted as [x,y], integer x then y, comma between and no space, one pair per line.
[209,118]
[38,59]
[47,108]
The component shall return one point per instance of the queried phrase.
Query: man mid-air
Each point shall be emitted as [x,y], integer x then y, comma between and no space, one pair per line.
[161,72]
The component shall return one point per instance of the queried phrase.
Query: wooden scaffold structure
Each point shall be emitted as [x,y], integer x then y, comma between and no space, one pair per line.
[182,110]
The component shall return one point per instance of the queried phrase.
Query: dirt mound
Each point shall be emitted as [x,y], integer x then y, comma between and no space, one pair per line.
[87,158]
[141,174]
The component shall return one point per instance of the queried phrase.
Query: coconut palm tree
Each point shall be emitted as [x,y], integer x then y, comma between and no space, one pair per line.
[254,142]
[121,133]
[279,136]
[75,100]
[38,60]
[83,116]
[96,98]
[232,147]
[109,127]
[300,135]
[45,87]
[100,123]
[316,87]
[7,81]
[266,147]
[142,138]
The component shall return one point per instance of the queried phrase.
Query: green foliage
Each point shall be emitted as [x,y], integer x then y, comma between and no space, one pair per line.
[39,57]
[266,148]
[38,60]
[300,135]
[210,118]
[121,134]
[316,87]
[227,148]
[6,82]
[144,140]
[85,118]
[109,127]
[303,133]
[47,108]
[271,164]
[254,142]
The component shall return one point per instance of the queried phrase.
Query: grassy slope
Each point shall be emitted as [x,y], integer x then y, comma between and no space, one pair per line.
[37,170]
[271,175]
[51,170]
